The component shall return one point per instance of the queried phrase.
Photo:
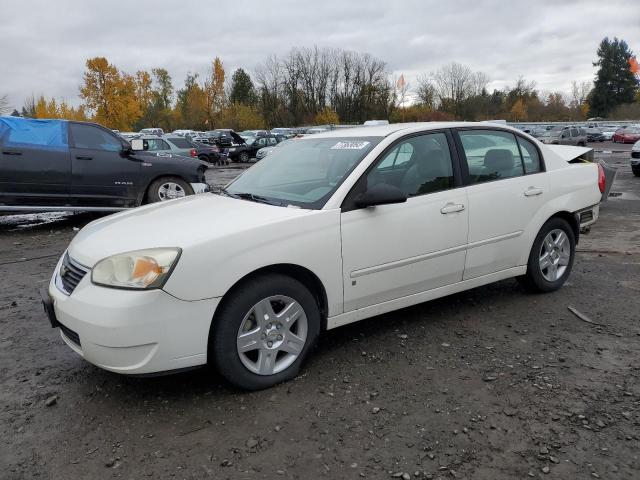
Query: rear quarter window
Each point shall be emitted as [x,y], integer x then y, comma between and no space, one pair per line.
[181,142]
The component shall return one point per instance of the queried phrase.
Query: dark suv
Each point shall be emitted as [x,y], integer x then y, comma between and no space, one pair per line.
[51,165]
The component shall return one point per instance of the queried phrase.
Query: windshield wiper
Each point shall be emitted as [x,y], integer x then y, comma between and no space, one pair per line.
[251,197]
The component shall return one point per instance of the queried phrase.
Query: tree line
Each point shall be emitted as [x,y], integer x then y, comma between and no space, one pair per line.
[313,85]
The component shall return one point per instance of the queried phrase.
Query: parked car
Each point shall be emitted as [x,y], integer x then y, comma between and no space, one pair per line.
[158,132]
[594,134]
[130,135]
[182,133]
[246,151]
[564,135]
[180,146]
[607,132]
[53,165]
[628,134]
[264,151]
[325,231]
[635,159]
[253,133]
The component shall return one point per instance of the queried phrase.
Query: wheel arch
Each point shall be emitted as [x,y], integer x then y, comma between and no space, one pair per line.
[571,219]
[302,274]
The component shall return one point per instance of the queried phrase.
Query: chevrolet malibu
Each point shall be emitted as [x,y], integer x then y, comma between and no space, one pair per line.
[327,230]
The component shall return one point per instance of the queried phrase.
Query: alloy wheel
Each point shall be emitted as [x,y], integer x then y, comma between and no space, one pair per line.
[555,254]
[170,190]
[272,335]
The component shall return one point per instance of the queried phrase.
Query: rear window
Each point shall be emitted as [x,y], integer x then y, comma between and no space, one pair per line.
[181,142]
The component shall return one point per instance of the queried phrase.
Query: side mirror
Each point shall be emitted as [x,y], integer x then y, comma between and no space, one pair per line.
[380,194]
[137,145]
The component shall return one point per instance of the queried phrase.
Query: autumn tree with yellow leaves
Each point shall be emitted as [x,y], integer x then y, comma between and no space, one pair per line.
[51,109]
[111,95]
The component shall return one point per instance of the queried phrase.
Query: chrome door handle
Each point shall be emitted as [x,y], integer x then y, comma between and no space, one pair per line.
[532,191]
[452,208]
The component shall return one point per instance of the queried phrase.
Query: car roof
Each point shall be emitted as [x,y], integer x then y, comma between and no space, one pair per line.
[386,130]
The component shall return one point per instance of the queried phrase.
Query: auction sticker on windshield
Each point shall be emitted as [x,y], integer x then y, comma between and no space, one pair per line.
[349,145]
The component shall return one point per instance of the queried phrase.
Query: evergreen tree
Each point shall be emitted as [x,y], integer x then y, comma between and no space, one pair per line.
[242,89]
[615,83]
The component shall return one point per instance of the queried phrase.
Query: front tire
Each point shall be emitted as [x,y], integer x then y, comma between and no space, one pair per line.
[551,257]
[636,171]
[168,188]
[244,157]
[264,331]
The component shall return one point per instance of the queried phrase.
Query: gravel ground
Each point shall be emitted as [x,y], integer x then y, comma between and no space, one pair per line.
[493,383]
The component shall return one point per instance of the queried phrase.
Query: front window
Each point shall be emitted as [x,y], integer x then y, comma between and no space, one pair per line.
[93,138]
[302,172]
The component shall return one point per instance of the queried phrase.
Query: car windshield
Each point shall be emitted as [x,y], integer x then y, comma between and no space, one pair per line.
[302,172]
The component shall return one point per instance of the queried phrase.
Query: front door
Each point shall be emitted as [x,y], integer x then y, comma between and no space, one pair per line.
[102,175]
[391,251]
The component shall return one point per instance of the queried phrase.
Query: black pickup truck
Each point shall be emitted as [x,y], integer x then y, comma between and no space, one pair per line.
[53,165]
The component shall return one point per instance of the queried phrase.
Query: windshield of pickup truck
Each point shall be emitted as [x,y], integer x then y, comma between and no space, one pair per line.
[302,172]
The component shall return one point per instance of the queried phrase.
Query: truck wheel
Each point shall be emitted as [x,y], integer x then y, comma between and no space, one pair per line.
[244,157]
[264,331]
[168,188]
[551,257]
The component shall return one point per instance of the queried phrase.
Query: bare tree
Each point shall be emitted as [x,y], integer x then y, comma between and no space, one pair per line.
[579,92]
[426,92]
[480,81]
[453,84]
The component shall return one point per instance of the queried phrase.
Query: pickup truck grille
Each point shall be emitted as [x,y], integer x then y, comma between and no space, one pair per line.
[70,274]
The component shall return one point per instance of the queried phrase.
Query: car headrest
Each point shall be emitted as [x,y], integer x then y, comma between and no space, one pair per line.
[498,159]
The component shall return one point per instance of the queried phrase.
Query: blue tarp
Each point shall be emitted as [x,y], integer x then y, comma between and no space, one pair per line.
[28,132]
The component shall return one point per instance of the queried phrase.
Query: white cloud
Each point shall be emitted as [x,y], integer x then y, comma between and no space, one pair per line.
[45,44]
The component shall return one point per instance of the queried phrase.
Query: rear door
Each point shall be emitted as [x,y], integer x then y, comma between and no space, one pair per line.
[506,189]
[35,168]
[102,174]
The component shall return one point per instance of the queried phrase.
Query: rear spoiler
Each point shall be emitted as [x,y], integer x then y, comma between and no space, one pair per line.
[572,154]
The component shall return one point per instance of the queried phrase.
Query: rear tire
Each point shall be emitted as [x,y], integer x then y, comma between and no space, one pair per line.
[551,258]
[168,188]
[636,171]
[264,331]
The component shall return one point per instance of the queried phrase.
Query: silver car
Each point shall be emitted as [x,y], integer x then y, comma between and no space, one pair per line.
[565,135]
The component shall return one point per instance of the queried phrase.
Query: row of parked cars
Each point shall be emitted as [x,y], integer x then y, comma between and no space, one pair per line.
[580,135]
[215,146]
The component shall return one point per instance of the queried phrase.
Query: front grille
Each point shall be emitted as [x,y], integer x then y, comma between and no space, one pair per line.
[70,274]
[70,334]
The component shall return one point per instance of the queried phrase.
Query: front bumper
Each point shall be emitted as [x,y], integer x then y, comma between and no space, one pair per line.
[132,332]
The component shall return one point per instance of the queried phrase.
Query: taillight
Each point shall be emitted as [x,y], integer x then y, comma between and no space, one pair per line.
[601,179]
[193,152]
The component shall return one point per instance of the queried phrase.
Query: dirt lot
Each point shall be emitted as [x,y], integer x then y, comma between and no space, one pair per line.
[492,383]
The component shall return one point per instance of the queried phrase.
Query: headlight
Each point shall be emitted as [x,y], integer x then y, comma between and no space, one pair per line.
[141,269]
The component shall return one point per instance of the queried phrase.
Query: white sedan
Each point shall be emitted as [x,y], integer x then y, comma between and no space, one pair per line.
[327,230]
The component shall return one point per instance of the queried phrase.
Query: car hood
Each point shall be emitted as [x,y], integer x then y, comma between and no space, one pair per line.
[175,223]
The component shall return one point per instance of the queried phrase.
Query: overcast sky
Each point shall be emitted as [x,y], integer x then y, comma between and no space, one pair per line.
[44,44]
